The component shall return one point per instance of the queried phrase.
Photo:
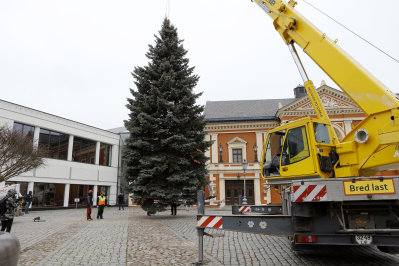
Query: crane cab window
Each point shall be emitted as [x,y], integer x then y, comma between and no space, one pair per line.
[272,153]
[321,133]
[296,147]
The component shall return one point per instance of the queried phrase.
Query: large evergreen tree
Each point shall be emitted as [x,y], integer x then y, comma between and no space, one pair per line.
[165,152]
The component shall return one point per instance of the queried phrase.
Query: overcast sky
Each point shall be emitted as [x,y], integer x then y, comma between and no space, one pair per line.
[74,58]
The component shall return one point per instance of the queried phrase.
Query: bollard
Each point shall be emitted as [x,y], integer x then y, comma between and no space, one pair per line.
[201,231]
[201,202]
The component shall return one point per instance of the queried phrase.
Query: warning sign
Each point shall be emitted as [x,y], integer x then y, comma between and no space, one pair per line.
[367,187]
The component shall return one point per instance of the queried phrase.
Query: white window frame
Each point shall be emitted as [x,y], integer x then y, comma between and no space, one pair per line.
[237,143]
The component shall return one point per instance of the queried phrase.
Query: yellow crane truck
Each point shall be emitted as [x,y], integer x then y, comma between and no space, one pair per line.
[329,188]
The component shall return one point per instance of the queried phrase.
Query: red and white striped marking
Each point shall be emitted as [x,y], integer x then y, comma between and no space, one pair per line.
[308,193]
[244,209]
[210,221]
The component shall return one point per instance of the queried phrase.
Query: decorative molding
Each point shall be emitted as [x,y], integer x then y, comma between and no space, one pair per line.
[241,126]
[335,102]
[237,143]
[335,111]
[236,140]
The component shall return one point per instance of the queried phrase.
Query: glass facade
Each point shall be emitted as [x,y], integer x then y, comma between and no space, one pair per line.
[78,192]
[54,144]
[48,195]
[23,186]
[104,189]
[26,130]
[105,154]
[84,150]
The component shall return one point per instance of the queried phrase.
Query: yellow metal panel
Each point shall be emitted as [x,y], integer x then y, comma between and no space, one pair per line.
[348,171]
[389,138]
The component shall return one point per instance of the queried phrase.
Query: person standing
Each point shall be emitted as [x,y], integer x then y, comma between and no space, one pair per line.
[173,207]
[8,217]
[121,200]
[89,204]
[101,204]
[28,201]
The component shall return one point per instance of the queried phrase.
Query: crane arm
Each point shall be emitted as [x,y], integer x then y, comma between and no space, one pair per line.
[363,88]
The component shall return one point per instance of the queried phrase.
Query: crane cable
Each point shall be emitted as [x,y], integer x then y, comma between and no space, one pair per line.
[167,12]
[393,58]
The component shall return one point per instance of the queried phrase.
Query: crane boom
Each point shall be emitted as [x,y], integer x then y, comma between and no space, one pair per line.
[361,86]
[372,146]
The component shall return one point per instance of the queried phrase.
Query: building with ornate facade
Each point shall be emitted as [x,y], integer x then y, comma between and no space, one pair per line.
[238,128]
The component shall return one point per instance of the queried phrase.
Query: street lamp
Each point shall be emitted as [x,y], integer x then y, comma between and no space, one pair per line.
[256,153]
[220,153]
[244,167]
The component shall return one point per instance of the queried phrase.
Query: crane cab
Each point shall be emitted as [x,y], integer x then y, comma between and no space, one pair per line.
[299,149]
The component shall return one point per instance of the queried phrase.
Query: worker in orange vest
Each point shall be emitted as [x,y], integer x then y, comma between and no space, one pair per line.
[101,204]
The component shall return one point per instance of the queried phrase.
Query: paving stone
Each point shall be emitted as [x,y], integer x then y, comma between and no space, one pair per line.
[130,237]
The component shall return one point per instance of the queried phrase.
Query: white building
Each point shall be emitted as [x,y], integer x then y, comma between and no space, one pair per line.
[78,157]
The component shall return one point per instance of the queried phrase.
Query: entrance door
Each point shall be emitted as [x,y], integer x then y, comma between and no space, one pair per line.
[235,188]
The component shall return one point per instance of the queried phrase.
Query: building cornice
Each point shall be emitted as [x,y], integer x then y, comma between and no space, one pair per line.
[241,126]
[293,109]
[335,111]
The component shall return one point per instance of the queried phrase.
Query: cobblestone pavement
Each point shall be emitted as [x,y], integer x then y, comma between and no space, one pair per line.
[131,238]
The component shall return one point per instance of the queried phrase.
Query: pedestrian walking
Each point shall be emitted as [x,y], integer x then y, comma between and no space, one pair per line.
[101,204]
[28,201]
[89,205]
[121,201]
[8,217]
[173,207]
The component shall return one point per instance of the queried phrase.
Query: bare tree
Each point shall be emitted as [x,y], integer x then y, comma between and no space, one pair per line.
[17,154]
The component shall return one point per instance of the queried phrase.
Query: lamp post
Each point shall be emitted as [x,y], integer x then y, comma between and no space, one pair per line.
[244,167]
[256,153]
[220,153]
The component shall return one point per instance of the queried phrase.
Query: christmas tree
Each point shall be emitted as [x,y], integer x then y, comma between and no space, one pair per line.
[165,160]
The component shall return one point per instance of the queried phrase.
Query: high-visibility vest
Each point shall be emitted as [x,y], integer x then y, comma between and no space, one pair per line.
[101,200]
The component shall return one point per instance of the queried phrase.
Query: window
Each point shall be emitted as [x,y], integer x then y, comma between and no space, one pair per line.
[321,133]
[78,192]
[105,154]
[54,144]
[83,150]
[296,146]
[25,130]
[272,153]
[23,186]
[48,195]
[273,147]
[237,155]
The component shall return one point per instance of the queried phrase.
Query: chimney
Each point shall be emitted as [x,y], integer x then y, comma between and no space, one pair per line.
[299,91]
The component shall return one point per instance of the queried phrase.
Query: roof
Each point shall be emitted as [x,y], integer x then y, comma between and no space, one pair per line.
[118,130]
[244,110]
[51,115]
